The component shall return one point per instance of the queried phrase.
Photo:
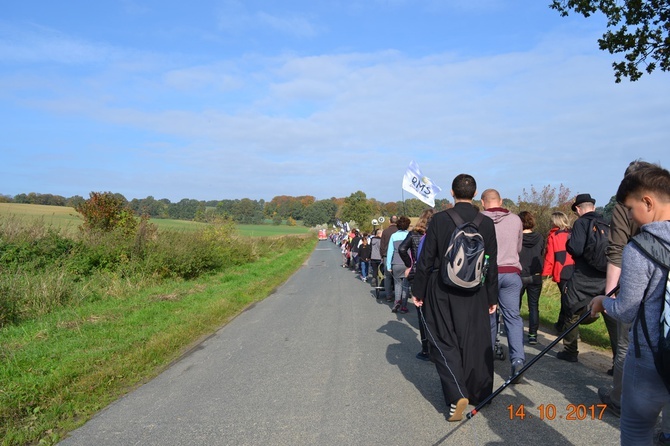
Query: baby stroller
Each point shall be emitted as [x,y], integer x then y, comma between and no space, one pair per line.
[498,352]
[379,281]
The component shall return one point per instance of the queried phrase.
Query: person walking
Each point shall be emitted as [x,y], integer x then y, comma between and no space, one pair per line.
[587,281]
[531,258]
[388,274]
[646,195]
[509,235]
[375,256]
[457,320]
[409,252]
[364,254]
[397,267]
[558,263]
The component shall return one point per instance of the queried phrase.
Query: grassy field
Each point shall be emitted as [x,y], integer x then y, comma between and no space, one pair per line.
[66,218]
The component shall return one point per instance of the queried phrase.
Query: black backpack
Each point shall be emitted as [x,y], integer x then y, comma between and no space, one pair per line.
[653,248]
[597,239]
[463,265]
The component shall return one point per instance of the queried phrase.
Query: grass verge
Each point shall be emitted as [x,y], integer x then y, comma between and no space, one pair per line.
[58,371]
[594,334]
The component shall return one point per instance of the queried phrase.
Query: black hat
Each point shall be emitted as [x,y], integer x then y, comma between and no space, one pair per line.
[582,198]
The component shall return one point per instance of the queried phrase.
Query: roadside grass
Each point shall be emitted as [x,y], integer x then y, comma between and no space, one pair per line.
[594,334]
[57,371]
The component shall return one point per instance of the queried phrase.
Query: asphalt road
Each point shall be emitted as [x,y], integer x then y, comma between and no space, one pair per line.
[322,362]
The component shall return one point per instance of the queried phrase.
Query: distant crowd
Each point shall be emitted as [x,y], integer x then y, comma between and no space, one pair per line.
[466,271]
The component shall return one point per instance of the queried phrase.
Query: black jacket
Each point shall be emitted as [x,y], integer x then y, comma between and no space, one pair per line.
[365,252]
[408,250]
[586,281]
[531,256]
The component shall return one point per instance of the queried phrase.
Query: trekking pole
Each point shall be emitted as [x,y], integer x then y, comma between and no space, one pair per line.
[488,399]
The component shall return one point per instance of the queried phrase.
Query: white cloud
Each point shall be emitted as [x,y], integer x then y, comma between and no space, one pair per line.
[235,17]
[331,124]
[292,25]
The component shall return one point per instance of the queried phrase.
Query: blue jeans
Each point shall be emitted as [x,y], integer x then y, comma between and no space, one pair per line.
[509,289]
[364,269]
[642,399]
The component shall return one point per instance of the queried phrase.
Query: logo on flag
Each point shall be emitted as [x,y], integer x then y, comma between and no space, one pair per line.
[419,185]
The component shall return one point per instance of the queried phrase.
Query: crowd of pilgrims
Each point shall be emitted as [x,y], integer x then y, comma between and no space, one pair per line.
[400,262]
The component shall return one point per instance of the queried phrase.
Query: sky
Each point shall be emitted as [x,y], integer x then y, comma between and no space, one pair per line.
[227,99]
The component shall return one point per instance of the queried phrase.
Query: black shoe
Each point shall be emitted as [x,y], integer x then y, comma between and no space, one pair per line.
[395,308]
[424,356]
[610,372]
[532,339]
[565,356]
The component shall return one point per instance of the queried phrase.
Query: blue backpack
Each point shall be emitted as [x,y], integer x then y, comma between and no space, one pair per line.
[655,250]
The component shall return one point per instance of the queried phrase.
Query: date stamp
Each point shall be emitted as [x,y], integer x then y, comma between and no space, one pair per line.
[571,412]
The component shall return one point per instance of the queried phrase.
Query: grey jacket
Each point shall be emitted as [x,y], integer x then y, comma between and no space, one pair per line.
[639,274]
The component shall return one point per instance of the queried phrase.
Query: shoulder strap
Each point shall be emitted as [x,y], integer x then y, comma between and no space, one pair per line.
[653,248]
[458,220]
[478,219]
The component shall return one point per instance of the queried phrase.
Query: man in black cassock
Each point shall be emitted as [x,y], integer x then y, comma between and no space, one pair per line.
[457,320]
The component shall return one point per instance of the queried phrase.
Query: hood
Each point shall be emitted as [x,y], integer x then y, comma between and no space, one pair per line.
[660,229]
[531,239]
[496,214]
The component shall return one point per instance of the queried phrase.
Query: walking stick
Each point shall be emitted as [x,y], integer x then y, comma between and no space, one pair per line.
[488,399]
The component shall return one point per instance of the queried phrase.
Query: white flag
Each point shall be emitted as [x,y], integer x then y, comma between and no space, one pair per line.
[419,186]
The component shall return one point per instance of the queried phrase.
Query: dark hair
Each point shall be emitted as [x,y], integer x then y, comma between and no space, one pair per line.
[527,219]
[464,187]
[634,166]
[652,178]
[403,223]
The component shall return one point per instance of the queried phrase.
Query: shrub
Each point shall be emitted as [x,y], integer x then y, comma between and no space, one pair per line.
[182,255]
[105,211]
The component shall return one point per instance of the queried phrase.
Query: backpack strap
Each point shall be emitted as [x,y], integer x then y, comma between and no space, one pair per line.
[458,220]
[653,248]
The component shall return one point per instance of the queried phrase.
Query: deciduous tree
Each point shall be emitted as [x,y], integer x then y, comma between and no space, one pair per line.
[639,29]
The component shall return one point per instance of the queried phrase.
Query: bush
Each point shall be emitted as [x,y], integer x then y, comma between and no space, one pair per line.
[41,269]
[105,211]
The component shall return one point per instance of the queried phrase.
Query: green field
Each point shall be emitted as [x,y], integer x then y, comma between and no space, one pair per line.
[67,218]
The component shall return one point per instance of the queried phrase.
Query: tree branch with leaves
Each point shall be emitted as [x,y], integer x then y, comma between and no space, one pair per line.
[639,29]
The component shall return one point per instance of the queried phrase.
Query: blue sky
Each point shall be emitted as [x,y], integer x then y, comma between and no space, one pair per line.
[252,99]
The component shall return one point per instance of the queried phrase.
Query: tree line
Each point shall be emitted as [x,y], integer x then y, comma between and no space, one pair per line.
[306,210]
[282,209]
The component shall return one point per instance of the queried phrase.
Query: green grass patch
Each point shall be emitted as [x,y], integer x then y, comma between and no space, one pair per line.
[270,230]
[594,334]
[59,370]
